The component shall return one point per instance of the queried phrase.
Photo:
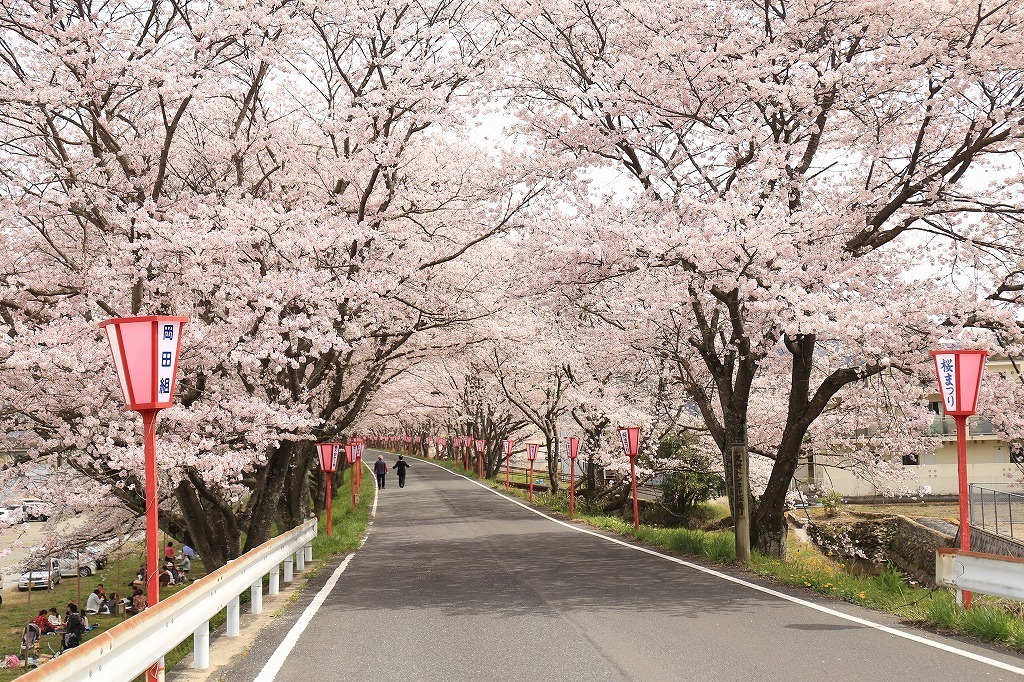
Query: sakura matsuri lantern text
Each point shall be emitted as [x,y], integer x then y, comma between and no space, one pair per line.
[630,437]
[959,374]
[329,454]
[145,352]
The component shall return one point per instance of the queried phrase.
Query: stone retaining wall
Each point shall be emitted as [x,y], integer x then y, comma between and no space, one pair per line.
[897,539]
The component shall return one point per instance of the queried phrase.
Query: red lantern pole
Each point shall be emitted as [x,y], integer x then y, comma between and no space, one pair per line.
[145,354]
[330,474]
[574,449]
[531,453]
[507,447]
[959,374]
[480,445]
[152,518]
[630,437]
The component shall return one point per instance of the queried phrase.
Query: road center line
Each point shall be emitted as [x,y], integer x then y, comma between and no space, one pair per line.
[708,571]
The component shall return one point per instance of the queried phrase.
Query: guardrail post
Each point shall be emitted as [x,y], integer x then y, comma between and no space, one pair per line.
[288,569]
[300,560]
[232,624]
[309,551]
[275,580]
[201,647]
[256,597]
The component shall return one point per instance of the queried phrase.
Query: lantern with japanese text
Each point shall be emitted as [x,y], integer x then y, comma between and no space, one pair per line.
[145,353]
[959,374]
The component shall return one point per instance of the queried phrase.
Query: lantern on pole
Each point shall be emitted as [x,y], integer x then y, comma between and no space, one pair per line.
[466,440]
[145,352]
[630,437]
[574,451]
[329,454]
[480,445]
[531,454]
[959,374]
[506,446]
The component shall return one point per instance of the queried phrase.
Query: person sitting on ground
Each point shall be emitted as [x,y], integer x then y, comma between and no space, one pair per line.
[85,621]
[173,570]
[187,552]
[73,627]
[103,592]
[44,623]
[185,567]
[165,577]
[55,619]
[139,601]
[94,603]
[110,605]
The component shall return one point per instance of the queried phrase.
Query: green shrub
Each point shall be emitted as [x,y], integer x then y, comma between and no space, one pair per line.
[942,611]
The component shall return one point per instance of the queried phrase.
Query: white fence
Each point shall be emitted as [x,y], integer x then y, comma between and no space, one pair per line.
[128,649]
[999,576]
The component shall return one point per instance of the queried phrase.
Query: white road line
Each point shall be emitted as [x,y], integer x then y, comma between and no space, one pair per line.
[796,600]
[276,661]
[273,666]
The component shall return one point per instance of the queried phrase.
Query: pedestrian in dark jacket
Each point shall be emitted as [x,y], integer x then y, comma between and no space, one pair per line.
[400,466]
[380,468]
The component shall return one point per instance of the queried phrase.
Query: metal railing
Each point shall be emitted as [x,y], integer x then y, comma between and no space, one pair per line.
[130,648]
[1000,512]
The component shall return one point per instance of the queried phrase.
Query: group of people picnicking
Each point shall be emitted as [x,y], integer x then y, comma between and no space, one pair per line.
[380,469]
[75,621]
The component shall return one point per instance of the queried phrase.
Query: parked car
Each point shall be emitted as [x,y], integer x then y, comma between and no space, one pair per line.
[41,578]
[83,565]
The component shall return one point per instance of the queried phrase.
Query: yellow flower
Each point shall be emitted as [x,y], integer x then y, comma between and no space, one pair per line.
[861,595]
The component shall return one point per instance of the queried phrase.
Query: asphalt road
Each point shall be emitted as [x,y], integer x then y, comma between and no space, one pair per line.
[456,583]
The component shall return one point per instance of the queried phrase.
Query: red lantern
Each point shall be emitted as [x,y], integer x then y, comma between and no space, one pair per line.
[145,352]
[630,437]
[329,455]
[959,374]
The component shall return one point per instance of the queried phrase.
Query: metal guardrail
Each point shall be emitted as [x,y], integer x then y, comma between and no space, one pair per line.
[129,648]
[998,576]
[1000,512]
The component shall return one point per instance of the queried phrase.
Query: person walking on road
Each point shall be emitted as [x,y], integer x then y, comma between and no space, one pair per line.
[400,466]
[380,468]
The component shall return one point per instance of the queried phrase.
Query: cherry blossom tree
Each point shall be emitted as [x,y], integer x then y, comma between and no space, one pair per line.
[300,181]
[786,193]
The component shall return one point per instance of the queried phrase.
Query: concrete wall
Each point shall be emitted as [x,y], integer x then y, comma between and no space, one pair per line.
[941,479]
[988,543]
